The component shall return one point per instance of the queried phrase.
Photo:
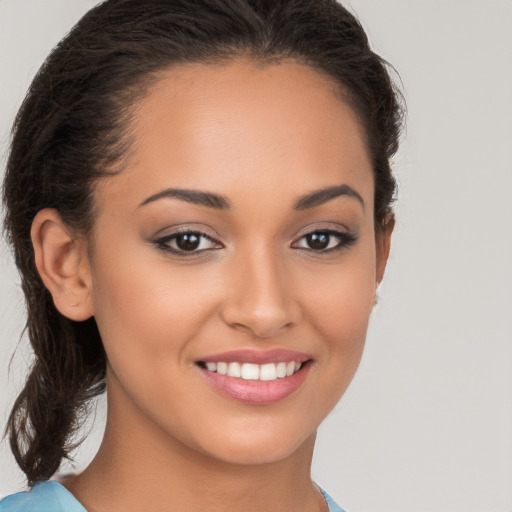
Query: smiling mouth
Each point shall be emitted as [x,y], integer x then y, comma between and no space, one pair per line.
[256,377]
[252,371]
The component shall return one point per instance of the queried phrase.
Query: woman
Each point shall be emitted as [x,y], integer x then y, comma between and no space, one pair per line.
[199,197]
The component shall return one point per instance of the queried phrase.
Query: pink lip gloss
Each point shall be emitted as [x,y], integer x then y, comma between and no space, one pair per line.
[256,377]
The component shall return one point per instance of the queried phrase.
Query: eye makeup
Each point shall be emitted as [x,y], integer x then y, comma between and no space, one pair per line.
[325,240]
[188,242]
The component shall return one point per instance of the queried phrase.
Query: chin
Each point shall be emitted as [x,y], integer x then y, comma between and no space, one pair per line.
[258,447]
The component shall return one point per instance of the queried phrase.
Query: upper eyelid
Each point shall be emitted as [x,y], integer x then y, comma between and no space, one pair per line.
[170,231]
[173,234]
[327,229]
[324,230]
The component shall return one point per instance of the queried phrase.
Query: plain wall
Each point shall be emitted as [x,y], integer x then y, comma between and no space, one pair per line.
[427,423]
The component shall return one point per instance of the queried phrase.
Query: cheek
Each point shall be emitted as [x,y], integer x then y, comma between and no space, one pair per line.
[149,317]
[342,299]
[339,311]
[344,311]
[147,310]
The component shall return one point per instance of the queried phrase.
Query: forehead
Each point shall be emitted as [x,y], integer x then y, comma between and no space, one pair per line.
[273,128]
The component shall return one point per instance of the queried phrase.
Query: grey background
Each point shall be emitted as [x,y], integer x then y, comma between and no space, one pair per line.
[427,423]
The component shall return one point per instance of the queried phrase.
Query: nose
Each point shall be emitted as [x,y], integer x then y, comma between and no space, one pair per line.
[260,299]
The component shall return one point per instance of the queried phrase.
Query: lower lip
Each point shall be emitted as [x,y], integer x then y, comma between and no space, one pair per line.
[256,391]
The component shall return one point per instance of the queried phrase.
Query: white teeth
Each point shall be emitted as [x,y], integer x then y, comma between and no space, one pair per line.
[234,370]
[268,372]
[211,366]
[222,368]
[281,370]
[250,371]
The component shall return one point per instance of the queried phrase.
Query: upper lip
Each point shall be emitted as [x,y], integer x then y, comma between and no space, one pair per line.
[257,356]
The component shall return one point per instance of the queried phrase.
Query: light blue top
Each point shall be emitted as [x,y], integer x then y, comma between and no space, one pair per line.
[43,497]
[53,497]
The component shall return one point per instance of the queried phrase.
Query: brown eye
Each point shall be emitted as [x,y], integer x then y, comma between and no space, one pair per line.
[324,241]
[318,241]
[188,241]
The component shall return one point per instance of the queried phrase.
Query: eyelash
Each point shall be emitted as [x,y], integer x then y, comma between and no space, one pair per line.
[345,239]
[164,242]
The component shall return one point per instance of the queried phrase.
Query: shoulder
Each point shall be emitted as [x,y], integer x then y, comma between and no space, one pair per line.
[333,506]
[43,497]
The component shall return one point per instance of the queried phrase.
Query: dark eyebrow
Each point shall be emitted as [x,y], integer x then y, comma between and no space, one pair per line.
[191,196]
[326,194]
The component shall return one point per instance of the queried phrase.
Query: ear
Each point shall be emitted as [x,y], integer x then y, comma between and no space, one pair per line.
[383,244]
[62,263]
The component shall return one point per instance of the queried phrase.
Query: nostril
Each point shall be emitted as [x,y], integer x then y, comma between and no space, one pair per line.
[258,322]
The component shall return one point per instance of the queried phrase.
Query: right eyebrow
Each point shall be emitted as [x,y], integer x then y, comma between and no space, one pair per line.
[190,196]
[319,197]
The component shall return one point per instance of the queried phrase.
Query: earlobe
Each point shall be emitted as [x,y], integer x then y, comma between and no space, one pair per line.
[383,243]
[62,264]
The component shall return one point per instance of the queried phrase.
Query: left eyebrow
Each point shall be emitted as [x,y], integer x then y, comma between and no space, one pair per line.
[191,196]
[319,197]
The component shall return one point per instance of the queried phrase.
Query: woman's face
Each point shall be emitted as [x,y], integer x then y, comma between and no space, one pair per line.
[239,239]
